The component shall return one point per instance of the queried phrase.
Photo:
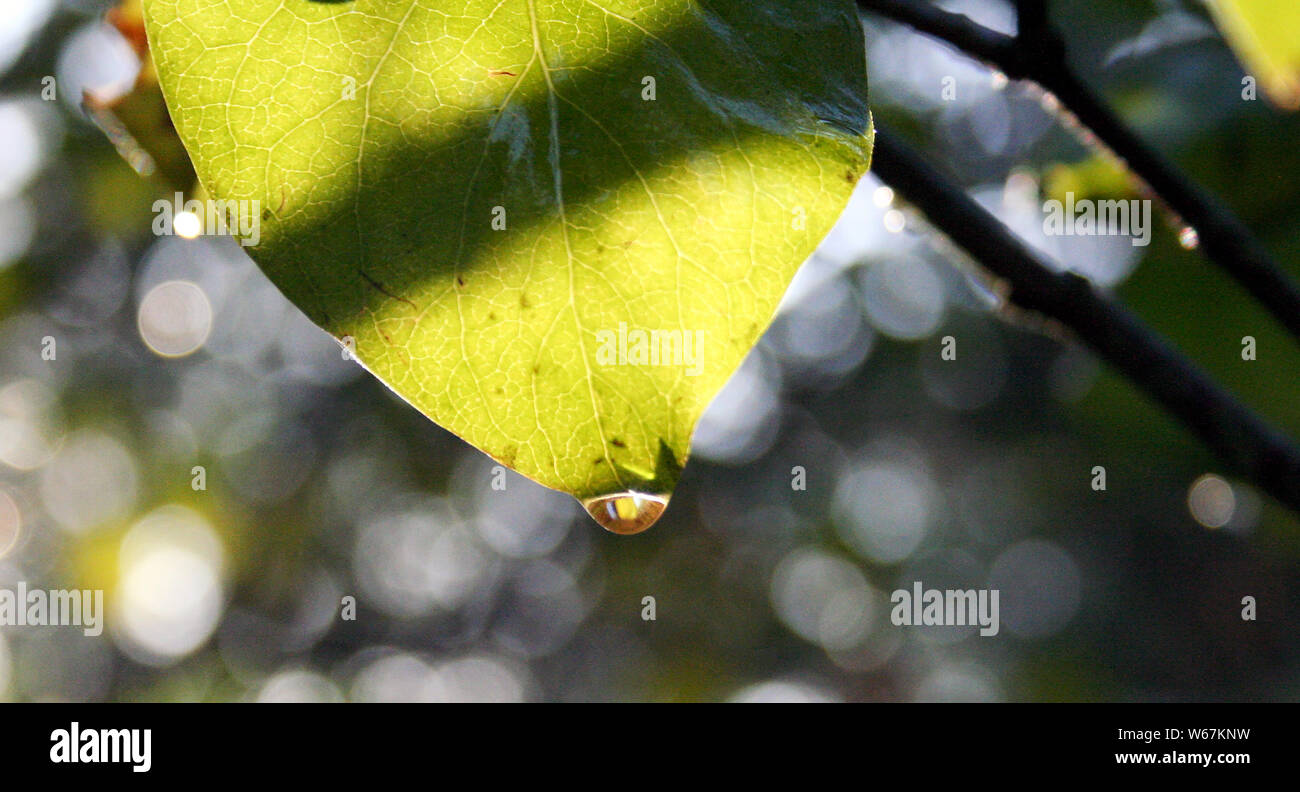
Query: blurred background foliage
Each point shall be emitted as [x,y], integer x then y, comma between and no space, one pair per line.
[176,359]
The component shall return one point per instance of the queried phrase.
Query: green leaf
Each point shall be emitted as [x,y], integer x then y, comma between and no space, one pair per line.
[1266,36]
[659,165]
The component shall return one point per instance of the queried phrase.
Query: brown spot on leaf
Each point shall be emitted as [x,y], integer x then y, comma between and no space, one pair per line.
[383,290]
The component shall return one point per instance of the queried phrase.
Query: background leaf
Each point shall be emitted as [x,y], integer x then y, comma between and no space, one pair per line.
[1266,36]
[383,137]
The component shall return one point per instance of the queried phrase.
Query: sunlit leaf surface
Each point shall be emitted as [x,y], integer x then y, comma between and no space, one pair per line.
[553,226]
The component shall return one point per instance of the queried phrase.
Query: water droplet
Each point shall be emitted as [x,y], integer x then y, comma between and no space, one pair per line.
[1188,238]
[626,513]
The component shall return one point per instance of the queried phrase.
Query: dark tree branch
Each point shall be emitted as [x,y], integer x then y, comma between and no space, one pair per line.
[956,29]
[1031,19]
[1037,53]
[1243,440]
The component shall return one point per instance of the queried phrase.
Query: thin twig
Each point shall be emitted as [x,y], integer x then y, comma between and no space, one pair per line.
[1037,53]
[1242,439]
[956,29]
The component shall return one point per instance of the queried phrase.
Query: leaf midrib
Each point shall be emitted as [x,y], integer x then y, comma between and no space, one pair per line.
[555,156]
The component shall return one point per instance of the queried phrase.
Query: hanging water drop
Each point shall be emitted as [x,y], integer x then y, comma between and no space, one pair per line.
[1188,238]
[626,513]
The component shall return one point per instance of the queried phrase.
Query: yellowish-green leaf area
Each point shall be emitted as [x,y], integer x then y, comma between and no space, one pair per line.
[506,203]
[1266,36]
